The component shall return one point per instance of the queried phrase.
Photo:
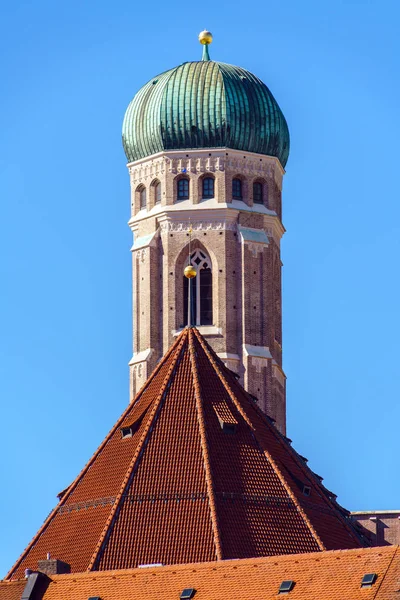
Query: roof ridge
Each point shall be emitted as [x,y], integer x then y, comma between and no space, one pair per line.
[222,377]
[227,563]
[265,451]
[113,513]
[204,448]
[73,485]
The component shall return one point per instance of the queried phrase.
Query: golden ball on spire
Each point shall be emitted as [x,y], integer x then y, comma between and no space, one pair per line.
[205,37]
[190,272]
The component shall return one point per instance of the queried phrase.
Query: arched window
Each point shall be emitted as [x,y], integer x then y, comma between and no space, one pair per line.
[208,187]
[157,193]
[237,189]
[201,291]
[142,193]
[258,193]
[183,189]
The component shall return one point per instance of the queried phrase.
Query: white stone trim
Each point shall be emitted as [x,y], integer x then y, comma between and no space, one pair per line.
[140,357]
[145,241]
[195,159]
[232,361]
[278,373]
[258,356]
[208,215]
[257,351]
[255,239]
[205,330]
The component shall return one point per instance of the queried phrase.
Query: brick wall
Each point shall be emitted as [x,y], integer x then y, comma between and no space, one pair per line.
[381,528]
[246,287]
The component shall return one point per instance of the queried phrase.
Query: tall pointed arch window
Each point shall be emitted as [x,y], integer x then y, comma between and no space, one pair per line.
[201,296]
[157,193]
[258,196]
[142,196]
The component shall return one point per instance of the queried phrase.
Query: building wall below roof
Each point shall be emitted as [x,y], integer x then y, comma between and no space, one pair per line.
[381,527]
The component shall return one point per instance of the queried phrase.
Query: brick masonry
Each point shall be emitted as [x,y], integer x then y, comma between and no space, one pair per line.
[242,240]
[381,528]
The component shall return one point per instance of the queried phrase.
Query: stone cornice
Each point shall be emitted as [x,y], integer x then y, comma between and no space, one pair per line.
[217,216]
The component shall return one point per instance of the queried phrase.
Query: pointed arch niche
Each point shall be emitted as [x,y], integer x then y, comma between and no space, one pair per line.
[204,287]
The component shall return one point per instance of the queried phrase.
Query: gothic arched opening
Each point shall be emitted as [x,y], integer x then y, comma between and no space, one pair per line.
[201,291]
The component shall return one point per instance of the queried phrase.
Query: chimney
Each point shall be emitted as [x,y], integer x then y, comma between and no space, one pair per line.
[53,566]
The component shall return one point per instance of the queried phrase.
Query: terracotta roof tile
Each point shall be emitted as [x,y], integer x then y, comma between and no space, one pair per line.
[182,488]
[329,575]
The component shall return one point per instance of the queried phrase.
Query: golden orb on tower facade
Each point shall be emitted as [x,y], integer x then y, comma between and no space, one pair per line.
[190,272]
[205,37]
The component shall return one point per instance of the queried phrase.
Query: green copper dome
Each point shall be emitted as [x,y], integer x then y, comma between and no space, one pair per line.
[205,104]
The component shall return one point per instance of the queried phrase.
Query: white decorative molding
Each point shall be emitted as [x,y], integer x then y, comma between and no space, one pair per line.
[207,159]
[257,355]
[210,211]
[142,244]
[255,239]
[205,330]
[141,357]
[183,226]
[152,169]
[232,361]
[278,374]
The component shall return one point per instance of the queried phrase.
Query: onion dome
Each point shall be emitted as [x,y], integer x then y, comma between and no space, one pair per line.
[205,104]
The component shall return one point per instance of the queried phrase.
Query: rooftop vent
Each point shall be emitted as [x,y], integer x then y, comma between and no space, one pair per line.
[151,565]
[229,428]
[187,593]
[126,432]
[35,587]
[286,587]
[368,579]
[129,429]
[94,598]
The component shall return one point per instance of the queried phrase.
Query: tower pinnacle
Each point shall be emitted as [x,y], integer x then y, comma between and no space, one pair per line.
[205,38]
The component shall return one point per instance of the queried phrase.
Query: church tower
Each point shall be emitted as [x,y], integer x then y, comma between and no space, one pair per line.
[207,144]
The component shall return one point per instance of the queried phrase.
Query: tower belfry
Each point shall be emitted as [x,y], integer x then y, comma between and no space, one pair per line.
[207,144]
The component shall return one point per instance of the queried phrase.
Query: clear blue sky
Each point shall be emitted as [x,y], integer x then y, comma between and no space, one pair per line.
[68,71]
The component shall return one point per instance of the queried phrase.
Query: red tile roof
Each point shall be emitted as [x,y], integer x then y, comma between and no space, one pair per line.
[333,575]
[182,490]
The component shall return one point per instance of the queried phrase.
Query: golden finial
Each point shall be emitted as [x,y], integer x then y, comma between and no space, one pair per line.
[190,272]
[205,37]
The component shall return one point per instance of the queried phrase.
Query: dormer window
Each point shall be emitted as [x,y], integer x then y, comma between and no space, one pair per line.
[237,189]
[183,189]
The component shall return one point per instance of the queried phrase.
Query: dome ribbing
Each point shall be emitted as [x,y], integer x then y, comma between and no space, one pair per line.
[205,104]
